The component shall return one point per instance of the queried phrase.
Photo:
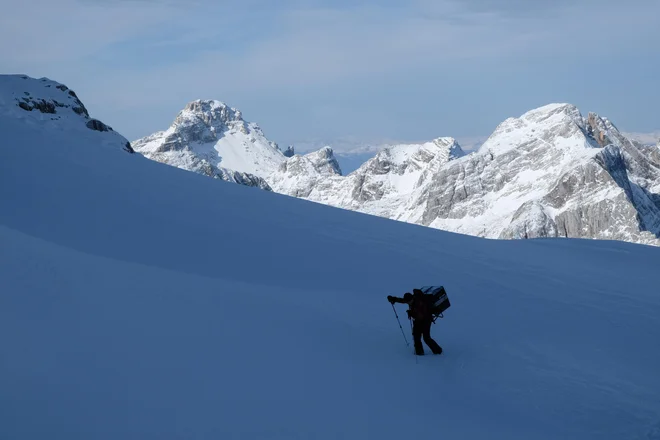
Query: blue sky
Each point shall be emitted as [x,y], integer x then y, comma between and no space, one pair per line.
[325,70]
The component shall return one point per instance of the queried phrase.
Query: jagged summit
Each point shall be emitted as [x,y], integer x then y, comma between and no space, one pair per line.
[324,161]
[289,152]
[211,113]
[560,126]
[409,159]
[210,137]
[46,102]
[377,187]
[549,172]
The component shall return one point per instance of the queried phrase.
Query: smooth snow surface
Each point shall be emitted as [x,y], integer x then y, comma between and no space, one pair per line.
[142,301]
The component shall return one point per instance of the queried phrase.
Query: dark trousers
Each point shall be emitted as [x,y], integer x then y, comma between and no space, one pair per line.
[422,329]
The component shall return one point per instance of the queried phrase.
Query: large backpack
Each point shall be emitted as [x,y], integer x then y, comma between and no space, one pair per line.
[438,300]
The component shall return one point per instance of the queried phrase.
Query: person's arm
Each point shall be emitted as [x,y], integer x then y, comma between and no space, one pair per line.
[396,299]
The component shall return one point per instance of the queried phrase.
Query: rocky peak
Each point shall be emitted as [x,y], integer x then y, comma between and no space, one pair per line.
[206,121]
[289,152]
[215,135]
[598,128]
[317,163]
[50,102]
[212,111]
[556,111]
[449,148]
[553,126]
[324,161]
[406,158]
[37,96]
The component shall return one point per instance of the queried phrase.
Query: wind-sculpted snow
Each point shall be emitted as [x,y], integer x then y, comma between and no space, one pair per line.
[141,301]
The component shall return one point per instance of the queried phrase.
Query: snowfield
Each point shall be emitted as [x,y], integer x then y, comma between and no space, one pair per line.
[143,301]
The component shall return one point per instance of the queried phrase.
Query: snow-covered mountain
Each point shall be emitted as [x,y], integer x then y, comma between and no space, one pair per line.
[211,138]
[135,303]
[551,172]
[380,186]
[49,104]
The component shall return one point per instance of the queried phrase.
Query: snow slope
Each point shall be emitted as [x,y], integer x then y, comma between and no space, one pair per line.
[138,300]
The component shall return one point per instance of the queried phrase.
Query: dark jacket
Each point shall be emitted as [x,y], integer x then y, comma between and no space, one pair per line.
[419,305]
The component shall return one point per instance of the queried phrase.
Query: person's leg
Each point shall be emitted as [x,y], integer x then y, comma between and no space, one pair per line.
[417,331]
[426,332]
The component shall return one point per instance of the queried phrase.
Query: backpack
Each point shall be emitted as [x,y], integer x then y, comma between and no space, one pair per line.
[437,299]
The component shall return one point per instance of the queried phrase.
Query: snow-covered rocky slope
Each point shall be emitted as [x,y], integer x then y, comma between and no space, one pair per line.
[211,138]
[380,186]
[551,172]
[43,103]
[136,303]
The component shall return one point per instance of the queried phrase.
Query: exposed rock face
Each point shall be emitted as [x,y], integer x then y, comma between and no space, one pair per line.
[95,124]
[289,152]
[212,138]
[597,129]
[48,102]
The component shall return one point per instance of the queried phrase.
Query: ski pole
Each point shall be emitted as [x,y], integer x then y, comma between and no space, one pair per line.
[413,334]
[402,332]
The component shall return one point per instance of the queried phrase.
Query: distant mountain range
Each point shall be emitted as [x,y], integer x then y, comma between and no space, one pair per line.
[551,172]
